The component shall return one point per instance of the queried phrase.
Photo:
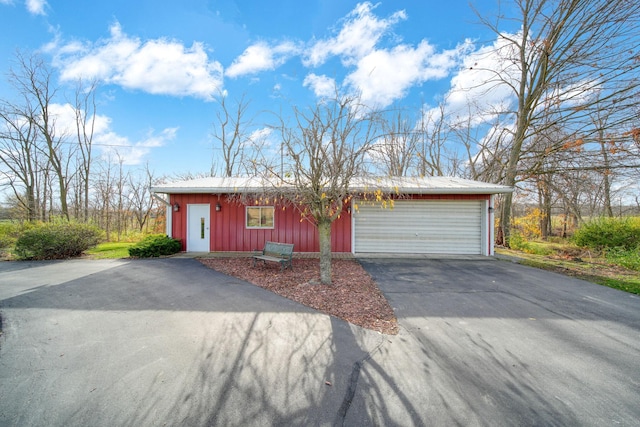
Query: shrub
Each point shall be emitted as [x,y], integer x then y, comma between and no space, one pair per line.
[626,258]
[529,225]
[606,233]
[155,245]
[56,240]
[518,242]
[9,232]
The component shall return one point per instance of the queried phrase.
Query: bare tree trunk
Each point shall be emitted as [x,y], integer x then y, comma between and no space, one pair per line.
[324,236]
[606,183]
[85,109]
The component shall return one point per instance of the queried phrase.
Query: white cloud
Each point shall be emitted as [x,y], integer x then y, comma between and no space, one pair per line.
[64,116]
[385,75]
[132,152]
[261,57]
[105,140]
[476,89]
[378,67]
[157,66]
[260,135]
[484,85]
[381,74]
[359,35]
[575,94]
[322,86]
[36,7]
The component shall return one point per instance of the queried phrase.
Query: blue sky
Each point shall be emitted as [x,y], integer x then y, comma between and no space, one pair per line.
[161,65]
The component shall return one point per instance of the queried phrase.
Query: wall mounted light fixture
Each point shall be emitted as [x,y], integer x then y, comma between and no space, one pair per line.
[176,207]
[218,207]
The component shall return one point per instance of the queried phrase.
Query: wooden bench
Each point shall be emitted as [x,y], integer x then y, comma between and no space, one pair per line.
[276,252]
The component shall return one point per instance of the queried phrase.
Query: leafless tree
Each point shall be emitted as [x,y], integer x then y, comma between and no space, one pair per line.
[326,146]
[33,79]
[19,158]
[142,203]
[434,134]
[565,53]
[121,201]
[396,151]
[232,129]
[104,192]
[483,148]
[85,110]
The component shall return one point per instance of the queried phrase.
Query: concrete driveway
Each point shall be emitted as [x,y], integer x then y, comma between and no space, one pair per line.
[170,342]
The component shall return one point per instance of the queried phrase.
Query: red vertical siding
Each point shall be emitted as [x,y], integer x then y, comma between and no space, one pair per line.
[229,233]
[179,226]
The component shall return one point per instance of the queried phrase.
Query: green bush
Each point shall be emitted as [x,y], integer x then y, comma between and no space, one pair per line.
[56,240]
[605,233]
[518,242]
[155,245]
[9,232]
[626,258]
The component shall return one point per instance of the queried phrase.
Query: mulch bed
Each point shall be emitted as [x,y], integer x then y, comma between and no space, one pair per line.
[353,295]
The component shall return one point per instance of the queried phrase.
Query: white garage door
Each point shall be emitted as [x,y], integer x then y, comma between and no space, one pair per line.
[420,227]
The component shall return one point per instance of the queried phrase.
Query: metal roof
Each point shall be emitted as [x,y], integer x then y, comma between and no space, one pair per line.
[406,185]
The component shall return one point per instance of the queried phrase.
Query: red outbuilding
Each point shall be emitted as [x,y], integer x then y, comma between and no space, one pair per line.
[433,215]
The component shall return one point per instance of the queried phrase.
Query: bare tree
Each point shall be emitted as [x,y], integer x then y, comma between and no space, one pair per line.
[121,201]
[33,79]
[396,151]
[142,204]
[326,145]
[18,157]
[231,129]
[565,53]
[85,109]
[484,147]
[104,192]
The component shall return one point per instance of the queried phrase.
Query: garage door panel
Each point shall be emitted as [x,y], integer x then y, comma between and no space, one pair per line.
[420,227]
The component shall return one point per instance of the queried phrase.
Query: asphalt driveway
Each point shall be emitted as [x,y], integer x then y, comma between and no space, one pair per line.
[170,342]
[496,343]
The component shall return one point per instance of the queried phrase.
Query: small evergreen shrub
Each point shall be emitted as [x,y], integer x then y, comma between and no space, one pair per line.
[606,233]
[56,240]
[154,246]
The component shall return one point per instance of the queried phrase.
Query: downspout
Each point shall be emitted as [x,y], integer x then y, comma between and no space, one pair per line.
[491,225]
[353,226]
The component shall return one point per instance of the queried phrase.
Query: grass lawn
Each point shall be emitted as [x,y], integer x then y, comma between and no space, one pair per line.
[110,250]
[583,266]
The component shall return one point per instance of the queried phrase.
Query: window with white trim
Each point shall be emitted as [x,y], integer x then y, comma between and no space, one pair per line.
[260,216]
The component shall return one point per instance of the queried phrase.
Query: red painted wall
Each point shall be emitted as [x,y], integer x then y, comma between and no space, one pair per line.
[229,233]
